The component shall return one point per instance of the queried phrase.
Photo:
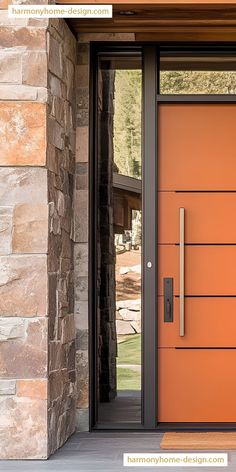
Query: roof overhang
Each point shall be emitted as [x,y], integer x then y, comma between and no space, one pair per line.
[208,20]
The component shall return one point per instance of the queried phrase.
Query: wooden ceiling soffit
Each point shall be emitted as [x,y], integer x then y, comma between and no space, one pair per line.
[183,21]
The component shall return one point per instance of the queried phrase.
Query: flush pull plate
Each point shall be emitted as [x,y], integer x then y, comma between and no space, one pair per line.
[168,300]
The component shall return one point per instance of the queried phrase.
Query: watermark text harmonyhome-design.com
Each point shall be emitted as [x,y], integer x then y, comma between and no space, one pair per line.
[60,11]
[175,460]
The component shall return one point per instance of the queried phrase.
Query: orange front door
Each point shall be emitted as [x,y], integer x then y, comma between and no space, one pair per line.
[197,172]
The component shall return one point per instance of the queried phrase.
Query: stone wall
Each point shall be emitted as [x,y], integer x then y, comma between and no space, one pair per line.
[37,145]
[23,239]
[81,237]
[61,164]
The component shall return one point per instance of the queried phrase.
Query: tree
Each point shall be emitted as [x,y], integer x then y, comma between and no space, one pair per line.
[127,122]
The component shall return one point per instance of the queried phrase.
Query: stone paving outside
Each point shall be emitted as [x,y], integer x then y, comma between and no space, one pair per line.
[98,451]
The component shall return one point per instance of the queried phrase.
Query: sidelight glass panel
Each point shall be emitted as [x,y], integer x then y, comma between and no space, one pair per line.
[119,241]
[197,73]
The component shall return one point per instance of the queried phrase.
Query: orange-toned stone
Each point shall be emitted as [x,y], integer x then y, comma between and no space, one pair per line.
[23,348]
[32,388]
[30,228]
[23,426]
[30,38]
[23,133]
[4,4]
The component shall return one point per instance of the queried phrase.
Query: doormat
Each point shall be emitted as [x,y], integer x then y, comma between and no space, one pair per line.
[211,440]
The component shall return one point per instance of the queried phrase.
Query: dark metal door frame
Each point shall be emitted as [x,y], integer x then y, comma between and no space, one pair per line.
[151,98]
[149,380]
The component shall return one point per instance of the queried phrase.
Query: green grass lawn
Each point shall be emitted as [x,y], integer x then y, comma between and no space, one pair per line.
[129,352]
[128,379]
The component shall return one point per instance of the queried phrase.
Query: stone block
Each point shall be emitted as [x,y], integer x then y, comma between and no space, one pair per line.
[30,228]
[137,326]
[23,92]
[70,45]
[55,385]
[4,4]
[82,420]
[70,81]
[124,327]
[129,315]
[7,387]
[12,328]
[34,68]
[82,387]
[24,355]
[68,329]
[25,420]
[81,216]
[5,230]
[81,259]
[55,133]
[23,133]
[32,388]
[82,144]
[81,176]
[81,287]
[57,109]
[83,53]
[81,315]
[82,340]
[82,76]
[134,305]
[10,67]
[55,57]
[22,185]
[82,117]
[55,85]
[26,38]
[23,285]
[56,355]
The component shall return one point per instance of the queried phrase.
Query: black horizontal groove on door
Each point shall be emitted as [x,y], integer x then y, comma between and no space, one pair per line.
[207,296]
[200,244]
[200,191]
[204,347]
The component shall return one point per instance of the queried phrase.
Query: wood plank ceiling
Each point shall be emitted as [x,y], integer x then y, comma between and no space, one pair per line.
[213,22]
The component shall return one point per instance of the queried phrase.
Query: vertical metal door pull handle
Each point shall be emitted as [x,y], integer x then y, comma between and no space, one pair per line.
[181,272]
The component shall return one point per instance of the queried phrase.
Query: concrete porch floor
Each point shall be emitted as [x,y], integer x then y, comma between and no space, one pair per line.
[91,452]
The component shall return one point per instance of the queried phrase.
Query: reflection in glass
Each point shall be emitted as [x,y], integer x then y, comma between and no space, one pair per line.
[119,241]
[203,74]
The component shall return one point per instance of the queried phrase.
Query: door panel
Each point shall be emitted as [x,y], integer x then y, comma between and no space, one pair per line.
[209,270]
[209,322]
[197,385]
[193,152]
[197,172]
[209,217]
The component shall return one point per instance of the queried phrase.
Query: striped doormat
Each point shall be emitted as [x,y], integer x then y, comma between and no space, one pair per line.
[195,441]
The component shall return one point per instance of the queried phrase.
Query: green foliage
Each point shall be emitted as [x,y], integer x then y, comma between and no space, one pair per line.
[197,82]
[127,122]
[127,105]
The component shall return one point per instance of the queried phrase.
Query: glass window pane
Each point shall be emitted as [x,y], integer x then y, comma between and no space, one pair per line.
[203,74]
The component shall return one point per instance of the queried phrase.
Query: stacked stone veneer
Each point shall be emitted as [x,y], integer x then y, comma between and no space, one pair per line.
[37,148]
